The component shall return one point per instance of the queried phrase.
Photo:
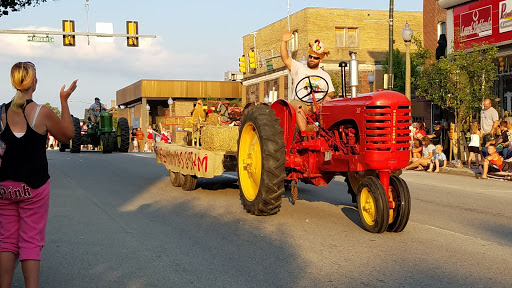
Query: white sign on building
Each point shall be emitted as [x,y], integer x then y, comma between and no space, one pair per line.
[505,16]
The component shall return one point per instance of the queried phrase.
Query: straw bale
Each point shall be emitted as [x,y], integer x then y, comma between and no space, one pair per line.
[212,120]
[219,138]
[186,122]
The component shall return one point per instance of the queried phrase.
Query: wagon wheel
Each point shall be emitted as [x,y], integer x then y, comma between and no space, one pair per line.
[373,205]
[189,182]
[310,84]
[399,216]
[176,178]
[261,158]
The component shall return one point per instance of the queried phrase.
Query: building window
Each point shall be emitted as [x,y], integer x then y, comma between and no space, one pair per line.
[347,37]
[441,29]
[294,42]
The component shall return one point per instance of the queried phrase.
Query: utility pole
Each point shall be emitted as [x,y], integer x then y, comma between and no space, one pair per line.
[87,12]
[390,64]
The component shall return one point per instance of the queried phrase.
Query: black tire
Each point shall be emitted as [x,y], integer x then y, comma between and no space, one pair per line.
[374,212]
[350,190]
[261,127]
[63,147]
[123,135]
[177,178]
[106,143]
[402,199]
[76,142]
[189,182]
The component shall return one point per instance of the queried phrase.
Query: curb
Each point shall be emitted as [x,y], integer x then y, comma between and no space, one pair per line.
[458,171]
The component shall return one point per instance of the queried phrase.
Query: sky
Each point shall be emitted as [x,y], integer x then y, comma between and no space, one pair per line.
[196,40]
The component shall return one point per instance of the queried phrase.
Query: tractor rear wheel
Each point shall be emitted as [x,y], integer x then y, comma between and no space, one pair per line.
[372,203]
[189,182]
[402,200]
[261,159]
[123,135]
[176,178]
[63,147]
[76,142]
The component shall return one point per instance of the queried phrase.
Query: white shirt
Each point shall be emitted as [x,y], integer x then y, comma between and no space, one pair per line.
[428,149]
[487,119]
[475,140]
[96,108]
[299,71]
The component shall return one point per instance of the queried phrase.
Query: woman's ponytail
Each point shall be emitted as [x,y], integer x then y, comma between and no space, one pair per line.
[23,76]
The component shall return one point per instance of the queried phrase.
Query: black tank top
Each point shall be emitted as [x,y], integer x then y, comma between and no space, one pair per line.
[24,159]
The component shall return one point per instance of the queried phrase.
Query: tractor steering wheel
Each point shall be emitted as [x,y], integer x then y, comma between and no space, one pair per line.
[308,87]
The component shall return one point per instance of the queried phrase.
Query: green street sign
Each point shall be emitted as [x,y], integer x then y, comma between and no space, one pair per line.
[46,39]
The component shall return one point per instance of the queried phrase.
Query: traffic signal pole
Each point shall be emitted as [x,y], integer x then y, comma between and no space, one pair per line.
[48,33]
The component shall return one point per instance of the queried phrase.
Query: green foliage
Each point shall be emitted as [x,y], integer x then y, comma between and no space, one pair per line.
[54,109]
[460,82]
[418,60]
[16,5]
[336,82]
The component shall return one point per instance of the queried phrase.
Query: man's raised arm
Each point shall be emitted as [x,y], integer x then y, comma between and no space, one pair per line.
[287,36]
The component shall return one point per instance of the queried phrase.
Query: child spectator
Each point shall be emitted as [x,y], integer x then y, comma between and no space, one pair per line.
[493,162]
[164,137]
[474,144]
[416,150]
[428,153]
[439,160]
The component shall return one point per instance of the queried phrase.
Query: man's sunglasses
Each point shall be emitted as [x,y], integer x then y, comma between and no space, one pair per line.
[313,57]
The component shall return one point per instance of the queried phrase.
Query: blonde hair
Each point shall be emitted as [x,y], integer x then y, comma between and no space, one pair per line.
[474,128]
[439,148]
[23,77]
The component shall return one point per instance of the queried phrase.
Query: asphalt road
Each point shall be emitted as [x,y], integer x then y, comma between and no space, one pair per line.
[115,221]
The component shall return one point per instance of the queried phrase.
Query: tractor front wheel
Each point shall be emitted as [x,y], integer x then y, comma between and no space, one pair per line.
[106,143]
[261,159]
[402,199]
[372,203]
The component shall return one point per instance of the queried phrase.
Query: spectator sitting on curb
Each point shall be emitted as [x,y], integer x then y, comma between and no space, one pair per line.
[428,153]
[416,150]
[500,141]
[492,163]
[439,160]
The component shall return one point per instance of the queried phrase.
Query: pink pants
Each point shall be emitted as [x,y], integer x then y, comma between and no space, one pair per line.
[23,215]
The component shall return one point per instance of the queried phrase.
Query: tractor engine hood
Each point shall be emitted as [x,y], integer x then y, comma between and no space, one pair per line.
[354,108]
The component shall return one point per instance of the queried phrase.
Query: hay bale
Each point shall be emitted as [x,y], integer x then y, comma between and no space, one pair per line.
[219,138]
[212,120]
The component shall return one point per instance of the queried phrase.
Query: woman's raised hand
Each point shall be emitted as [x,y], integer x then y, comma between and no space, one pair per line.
[64,94]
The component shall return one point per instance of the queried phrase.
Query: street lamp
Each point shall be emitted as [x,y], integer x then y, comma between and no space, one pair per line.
[407,36]
[371,79]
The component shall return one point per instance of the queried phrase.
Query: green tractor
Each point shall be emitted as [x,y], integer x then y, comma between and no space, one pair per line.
[101,135]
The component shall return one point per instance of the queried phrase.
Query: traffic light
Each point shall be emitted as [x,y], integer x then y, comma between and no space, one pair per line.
[252,60]
[241,64]
[68,26]
[132,27]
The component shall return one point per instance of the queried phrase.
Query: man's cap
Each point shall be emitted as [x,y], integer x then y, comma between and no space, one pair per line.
[436,123]
[96,99]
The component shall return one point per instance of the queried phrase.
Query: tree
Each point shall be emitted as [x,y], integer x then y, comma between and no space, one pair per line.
[418,60]
[55,109]
[7,6]
[460,82]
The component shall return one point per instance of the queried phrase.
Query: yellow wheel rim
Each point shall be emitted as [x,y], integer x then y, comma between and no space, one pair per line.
[394,198]
[367,206]
[249,161]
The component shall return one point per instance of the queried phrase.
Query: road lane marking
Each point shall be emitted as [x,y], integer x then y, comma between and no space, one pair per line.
[459,234]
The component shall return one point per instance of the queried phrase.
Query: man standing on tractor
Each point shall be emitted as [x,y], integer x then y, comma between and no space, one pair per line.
[317,53]
[96,109]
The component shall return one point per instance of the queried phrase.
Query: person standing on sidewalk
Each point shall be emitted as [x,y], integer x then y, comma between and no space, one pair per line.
[489,121]
[140,139]
[24,178]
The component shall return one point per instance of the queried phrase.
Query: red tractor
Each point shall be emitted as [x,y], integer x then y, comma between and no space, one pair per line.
[365,139]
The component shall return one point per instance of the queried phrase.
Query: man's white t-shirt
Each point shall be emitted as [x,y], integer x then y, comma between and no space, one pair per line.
[300,71]
[96,108]
[487,119]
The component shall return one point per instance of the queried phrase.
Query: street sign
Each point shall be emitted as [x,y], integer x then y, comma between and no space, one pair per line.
[46,39]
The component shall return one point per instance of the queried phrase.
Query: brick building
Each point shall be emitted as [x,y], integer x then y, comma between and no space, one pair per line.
[341,30]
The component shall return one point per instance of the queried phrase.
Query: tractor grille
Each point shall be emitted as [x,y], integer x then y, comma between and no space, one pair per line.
[387,129]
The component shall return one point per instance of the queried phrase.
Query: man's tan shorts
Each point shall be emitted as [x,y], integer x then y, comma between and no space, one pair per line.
[308,107]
